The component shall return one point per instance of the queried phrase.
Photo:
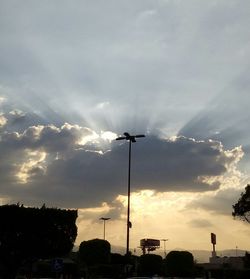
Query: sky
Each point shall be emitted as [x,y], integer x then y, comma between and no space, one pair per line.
[75,75]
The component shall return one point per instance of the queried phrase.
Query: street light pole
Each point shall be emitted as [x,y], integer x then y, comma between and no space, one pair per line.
[129,224]
[164,246]
[104,220]
[131,139]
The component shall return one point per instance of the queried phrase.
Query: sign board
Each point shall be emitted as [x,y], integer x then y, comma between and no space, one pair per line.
[148,242]
[57,265]
[213,238]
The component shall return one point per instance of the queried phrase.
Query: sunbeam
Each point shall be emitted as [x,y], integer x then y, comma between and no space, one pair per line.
[76,75]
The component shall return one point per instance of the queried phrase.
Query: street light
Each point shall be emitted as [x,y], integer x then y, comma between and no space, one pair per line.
[104,219]
[131,139]
[164,246]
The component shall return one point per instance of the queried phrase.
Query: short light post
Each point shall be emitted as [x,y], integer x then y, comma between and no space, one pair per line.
[131,139]
[164,240]
[104,219]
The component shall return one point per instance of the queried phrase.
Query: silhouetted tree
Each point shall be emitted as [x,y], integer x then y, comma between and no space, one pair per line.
[95,256]
[241,209]
[95,251]
[179,263]
[118,259]
[29,233]
[150,264]
[247,260]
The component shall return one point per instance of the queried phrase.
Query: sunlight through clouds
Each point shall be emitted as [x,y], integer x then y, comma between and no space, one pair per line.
[76,75]
[3,121]
[108,136]
[33,166]
[90,138]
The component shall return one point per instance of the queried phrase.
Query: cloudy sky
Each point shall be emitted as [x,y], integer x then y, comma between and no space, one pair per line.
[74,75]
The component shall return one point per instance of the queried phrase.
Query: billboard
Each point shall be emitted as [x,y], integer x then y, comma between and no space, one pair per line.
[149,242]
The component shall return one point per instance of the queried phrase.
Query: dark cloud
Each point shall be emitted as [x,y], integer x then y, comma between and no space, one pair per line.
[48,163]
[49,138]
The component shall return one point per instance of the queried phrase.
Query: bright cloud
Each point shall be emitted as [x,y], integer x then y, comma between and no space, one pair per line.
[33,166]
[3,121]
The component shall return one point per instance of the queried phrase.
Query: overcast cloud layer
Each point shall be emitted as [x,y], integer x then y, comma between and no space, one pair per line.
[76,74]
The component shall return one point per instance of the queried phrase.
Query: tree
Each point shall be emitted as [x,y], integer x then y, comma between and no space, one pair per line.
[241,209]
[150,264]
[95,256]
[95,251]
[29,233]
[179,263]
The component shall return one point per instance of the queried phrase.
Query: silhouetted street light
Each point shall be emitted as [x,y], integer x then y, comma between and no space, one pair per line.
[104,219]
[131,139]
[164,246]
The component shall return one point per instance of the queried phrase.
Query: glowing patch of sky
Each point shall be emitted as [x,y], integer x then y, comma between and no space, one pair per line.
[34,163]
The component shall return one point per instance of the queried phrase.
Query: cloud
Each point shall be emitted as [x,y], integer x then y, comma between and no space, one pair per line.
[200,223]
[219,202]
[2,99]
[183,164]
[3,121]
[49,138]
[74,166]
